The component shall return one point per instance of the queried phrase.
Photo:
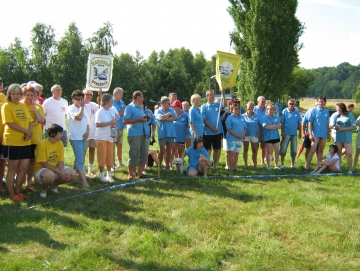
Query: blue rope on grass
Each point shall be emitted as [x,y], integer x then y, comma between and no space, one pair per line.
[118,186]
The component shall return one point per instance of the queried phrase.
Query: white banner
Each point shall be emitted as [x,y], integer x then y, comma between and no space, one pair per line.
[99,72]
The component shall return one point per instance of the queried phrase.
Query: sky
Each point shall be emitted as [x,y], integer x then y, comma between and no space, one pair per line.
[331,37]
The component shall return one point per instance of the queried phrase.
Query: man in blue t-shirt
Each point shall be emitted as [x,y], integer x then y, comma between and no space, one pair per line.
[290,127]
[213,128]
[260,111]
[120,107]
[319,132]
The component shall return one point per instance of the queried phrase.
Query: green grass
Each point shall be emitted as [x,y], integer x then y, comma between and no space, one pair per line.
[178,223]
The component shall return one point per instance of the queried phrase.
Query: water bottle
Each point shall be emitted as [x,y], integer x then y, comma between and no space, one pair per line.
[113,131]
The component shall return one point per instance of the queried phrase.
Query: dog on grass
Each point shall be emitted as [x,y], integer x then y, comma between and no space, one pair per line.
[179,163]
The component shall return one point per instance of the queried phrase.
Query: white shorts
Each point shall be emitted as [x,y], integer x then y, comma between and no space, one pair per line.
[235,146]
[37,174]
[254,139]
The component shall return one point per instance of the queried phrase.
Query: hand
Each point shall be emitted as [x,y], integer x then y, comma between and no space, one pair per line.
[29,133]
[311,137]
[214,129]
[64,175]
[85,136]
[82,102]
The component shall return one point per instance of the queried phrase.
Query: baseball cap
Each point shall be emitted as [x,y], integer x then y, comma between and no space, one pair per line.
[177,103]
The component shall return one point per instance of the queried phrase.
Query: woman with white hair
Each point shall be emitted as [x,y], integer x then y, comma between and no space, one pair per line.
[196,119]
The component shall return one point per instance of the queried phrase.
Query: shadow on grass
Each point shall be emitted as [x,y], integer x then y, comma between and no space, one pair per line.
[18,234]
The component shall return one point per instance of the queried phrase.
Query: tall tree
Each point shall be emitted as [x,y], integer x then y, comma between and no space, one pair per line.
[43,48]
[267,36]
[70,61]
[103,40]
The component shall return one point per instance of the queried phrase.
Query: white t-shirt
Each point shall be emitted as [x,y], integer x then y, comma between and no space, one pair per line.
[337,164]
[77,128]
[55,111]
[89,111]
[101,116]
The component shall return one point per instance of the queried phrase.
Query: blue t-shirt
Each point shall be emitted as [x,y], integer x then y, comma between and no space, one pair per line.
[119,105]
[305,119]
[181,127]
[291,121]
[194,156]
[344,121]
[237,124]
[210,112]
[133,111]
[197,119]
[260,113]
[270,134]
[358,128]
[320,119]
[165,128]
[252,123]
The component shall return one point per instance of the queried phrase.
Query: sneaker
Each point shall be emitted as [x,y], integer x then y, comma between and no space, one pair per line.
[121,164]
[206,177]
[103,180]
[226,167]
[42,195]
[350,172]
[17,198]
[277,168]
[54,190]
[269,168]
[282,166]
[306,170]
[109,179]
[294,166]
[113,168]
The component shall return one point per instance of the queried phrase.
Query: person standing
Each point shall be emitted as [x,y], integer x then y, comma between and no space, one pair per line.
[270,125]
[260,111]
[55,110]
[318,127]
[165,117]
[343,124]
[213,128]
[253,132]
[196,119]
[120,107]
[236,131]
[16,140]
[181,128]
[78,132]
[105,119]
[357,153]
[136,119]
[90,109]
[290,125]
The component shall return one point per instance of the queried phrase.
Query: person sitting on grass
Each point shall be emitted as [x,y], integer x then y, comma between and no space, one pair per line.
[330,161]
[199,159]
[49,162]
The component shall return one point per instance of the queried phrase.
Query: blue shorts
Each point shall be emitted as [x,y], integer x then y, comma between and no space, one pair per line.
[79,148]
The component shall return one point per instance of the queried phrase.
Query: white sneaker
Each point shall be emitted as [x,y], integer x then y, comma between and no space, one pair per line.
[226,167]
[282,166]
[294,166]
[103,180]
[109,179]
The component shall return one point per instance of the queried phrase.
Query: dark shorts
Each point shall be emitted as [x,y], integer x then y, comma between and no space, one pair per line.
[272,141]
[307,142]
[16,152]
[212,141]
[33,147]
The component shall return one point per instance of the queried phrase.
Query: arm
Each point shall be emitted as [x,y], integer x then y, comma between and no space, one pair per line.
[60,170]
[282,129]
[40,118]
[192,126]
[80,115]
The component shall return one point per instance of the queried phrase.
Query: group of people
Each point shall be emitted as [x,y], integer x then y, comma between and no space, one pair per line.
[198,132]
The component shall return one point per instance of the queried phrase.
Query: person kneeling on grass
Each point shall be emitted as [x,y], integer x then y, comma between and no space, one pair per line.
[330,161]
[199,159]
[49,162]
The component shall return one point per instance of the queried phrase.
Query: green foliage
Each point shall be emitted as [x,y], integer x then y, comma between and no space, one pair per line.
[335,82]
[42,51]
[266,35]
[70,62]
[102,40]
[356,96]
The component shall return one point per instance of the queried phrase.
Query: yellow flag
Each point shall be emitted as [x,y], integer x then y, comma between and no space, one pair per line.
[227,67]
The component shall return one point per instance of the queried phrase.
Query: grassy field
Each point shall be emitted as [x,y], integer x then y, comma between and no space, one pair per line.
[307,103]
[293,222]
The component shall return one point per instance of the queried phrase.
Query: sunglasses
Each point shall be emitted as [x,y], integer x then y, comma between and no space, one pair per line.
[291,103]
[88,95]
[78,98]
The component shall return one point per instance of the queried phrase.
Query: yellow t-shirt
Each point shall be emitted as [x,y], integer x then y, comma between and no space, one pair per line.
[1,123]
[2,98]
[48,152]
[20,115]
[36,129]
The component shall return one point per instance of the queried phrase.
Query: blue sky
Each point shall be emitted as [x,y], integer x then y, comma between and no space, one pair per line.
[332,33]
